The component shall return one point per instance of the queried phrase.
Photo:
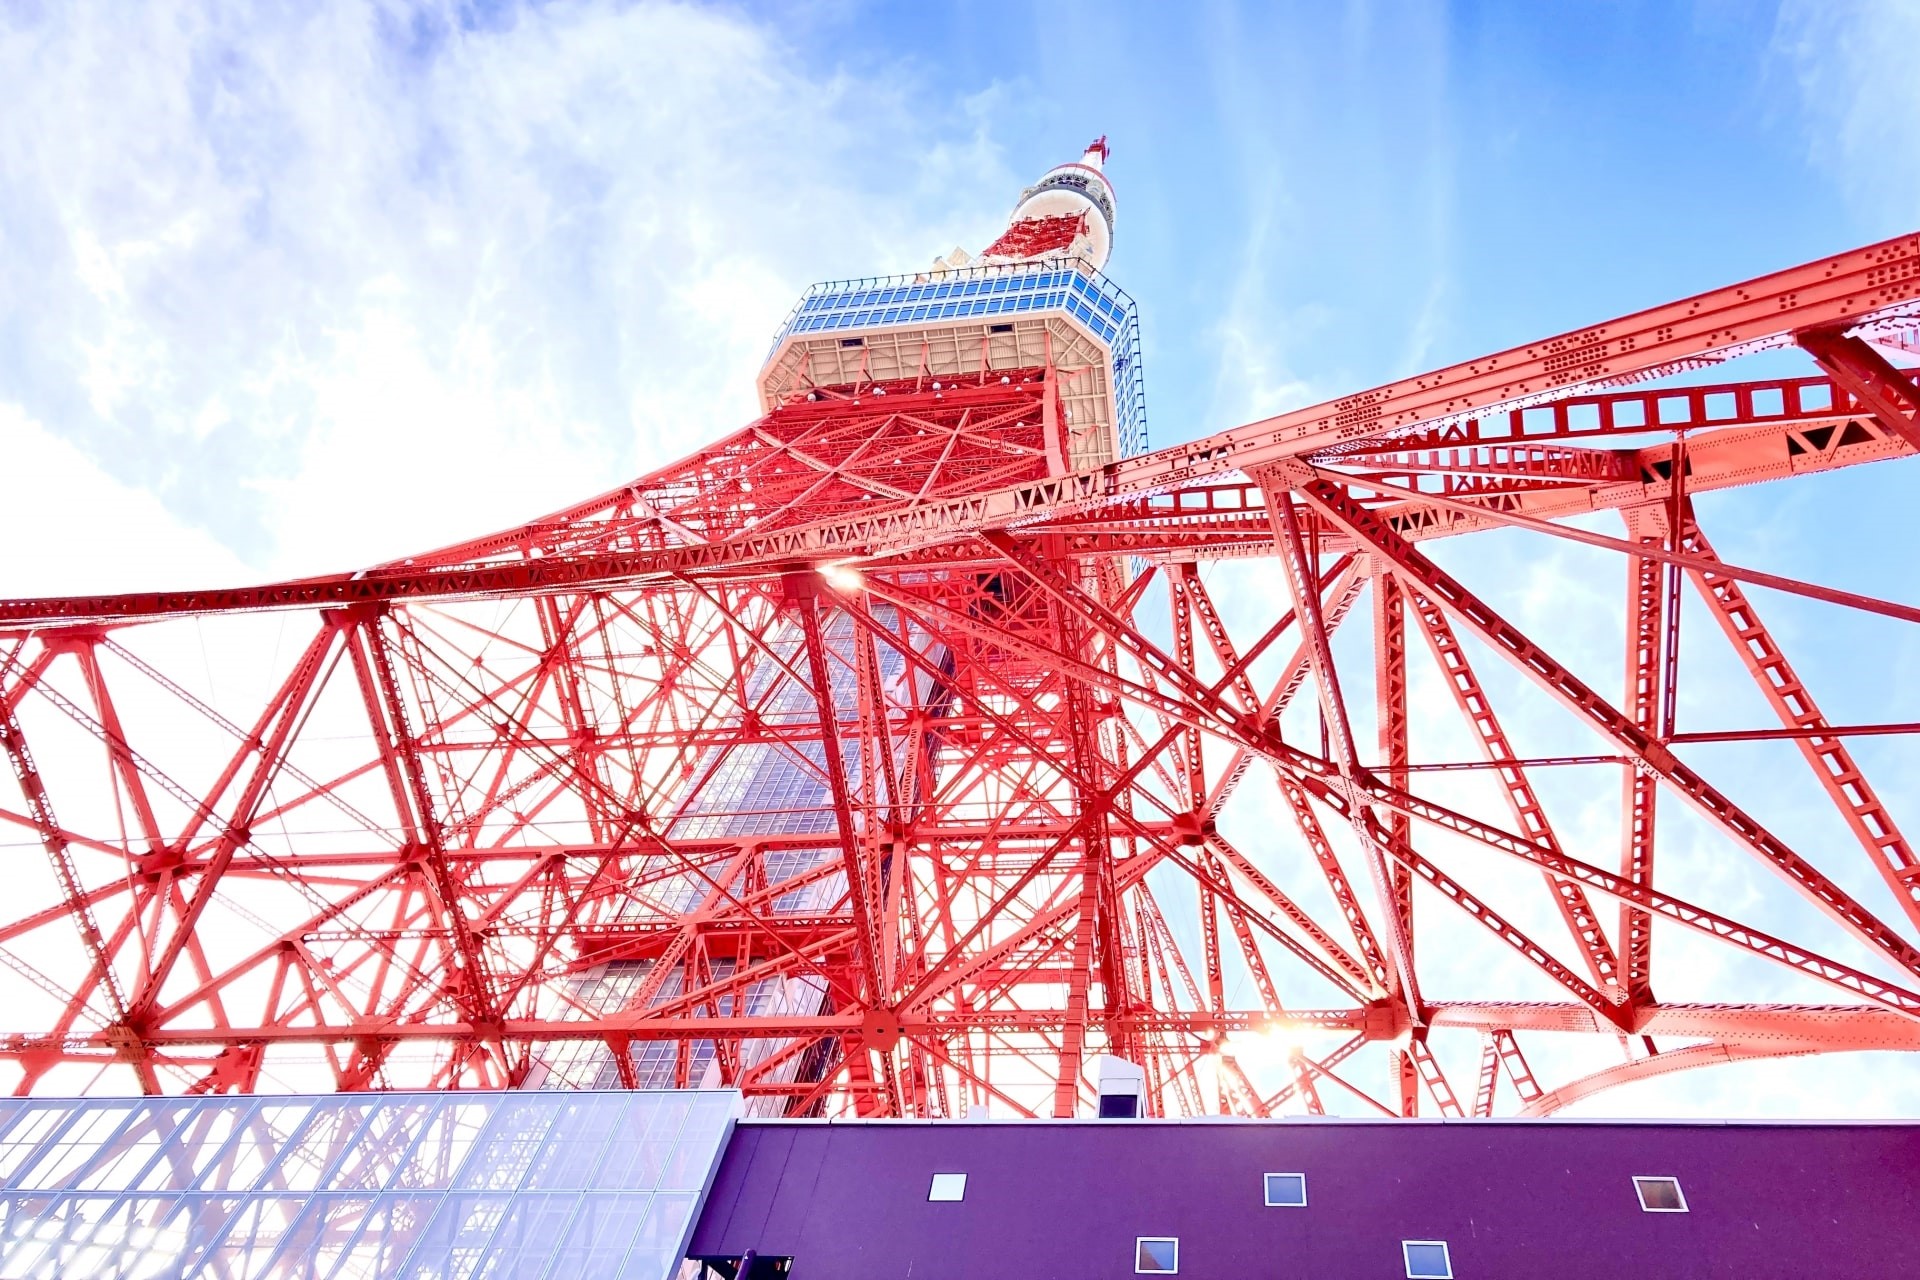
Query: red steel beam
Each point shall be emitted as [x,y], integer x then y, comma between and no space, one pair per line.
[1589,707]
[1832,763]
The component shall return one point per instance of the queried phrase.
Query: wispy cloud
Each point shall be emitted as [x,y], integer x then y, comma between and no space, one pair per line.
[335,283]
[1860,99]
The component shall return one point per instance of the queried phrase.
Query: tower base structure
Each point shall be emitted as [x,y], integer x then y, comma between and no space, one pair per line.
[930,739]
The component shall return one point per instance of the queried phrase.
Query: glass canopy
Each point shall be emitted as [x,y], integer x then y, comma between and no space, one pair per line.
[524,1185]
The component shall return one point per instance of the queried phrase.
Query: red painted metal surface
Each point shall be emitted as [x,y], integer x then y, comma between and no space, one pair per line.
[1041,790]
[1032,237]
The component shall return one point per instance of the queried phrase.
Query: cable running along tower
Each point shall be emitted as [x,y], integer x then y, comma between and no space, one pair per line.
[929,736]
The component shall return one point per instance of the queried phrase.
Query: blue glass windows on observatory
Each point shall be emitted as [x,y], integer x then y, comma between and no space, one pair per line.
[1094,300]
[576,1185]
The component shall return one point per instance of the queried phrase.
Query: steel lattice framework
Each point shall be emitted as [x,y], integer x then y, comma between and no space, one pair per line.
[876,760]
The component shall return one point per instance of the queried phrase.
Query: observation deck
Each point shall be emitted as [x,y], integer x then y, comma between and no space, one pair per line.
[1034,300]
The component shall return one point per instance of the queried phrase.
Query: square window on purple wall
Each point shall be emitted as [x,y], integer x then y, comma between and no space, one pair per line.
[1156,1255]
[1659,1194]
[1286,1190]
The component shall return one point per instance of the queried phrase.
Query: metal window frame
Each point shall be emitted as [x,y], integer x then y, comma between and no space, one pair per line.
[1155,1271]
[1266,1191]
[1641,1196]
[934,1186]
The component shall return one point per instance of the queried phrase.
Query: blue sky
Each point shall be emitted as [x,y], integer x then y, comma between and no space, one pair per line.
[1383,187]
[222,220]
[286,292]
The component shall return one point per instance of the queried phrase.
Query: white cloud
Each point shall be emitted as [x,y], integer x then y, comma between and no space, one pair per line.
[341,283]
[74,528]
[1860,98]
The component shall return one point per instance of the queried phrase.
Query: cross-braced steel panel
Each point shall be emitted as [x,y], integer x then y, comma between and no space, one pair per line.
[873,761]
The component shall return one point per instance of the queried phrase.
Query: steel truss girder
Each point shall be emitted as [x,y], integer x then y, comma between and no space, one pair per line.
[1047,770]
[1512,644]
[1832,763]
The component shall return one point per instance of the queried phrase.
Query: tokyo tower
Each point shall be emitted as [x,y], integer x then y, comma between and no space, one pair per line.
[930,737]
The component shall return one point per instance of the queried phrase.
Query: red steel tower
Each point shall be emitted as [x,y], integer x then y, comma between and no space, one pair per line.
[928,737]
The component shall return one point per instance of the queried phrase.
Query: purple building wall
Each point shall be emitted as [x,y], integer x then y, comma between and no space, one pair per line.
[1514,1200]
